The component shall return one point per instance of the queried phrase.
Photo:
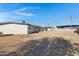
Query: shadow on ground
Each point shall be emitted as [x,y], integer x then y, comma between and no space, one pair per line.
[57,46]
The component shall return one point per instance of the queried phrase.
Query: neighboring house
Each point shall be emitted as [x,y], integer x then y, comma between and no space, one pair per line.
[68,27]
[48,28]
[17,28]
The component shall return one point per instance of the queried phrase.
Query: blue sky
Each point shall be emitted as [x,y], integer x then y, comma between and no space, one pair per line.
[40,14]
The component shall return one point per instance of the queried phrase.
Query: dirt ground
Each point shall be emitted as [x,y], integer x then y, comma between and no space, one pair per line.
[12,42]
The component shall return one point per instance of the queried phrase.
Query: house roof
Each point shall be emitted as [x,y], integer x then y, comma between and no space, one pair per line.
[62,26]
[4,23]
[48,27]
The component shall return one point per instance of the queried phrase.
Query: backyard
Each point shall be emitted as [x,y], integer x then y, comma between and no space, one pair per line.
[43,43]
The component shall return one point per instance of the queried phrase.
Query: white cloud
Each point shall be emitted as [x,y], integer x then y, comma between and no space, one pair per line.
[24,14]
[4,16]
[20,12]
[28,8]
[23,9]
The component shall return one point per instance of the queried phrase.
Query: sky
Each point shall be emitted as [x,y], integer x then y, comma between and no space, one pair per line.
[44,14]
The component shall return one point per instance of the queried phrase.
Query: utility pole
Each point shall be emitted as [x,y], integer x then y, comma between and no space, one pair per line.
[71,22]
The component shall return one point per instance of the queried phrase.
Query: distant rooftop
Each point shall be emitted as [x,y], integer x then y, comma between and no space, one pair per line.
[67,26]
[48,27]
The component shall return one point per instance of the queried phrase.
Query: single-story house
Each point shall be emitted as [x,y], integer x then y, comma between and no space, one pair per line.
[17,28]
[48,28]
[68,27]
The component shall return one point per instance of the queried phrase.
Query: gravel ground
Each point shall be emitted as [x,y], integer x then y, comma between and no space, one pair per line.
[14,42]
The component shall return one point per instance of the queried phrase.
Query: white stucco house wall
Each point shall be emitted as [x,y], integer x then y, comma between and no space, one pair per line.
[49,28]
[16,28]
